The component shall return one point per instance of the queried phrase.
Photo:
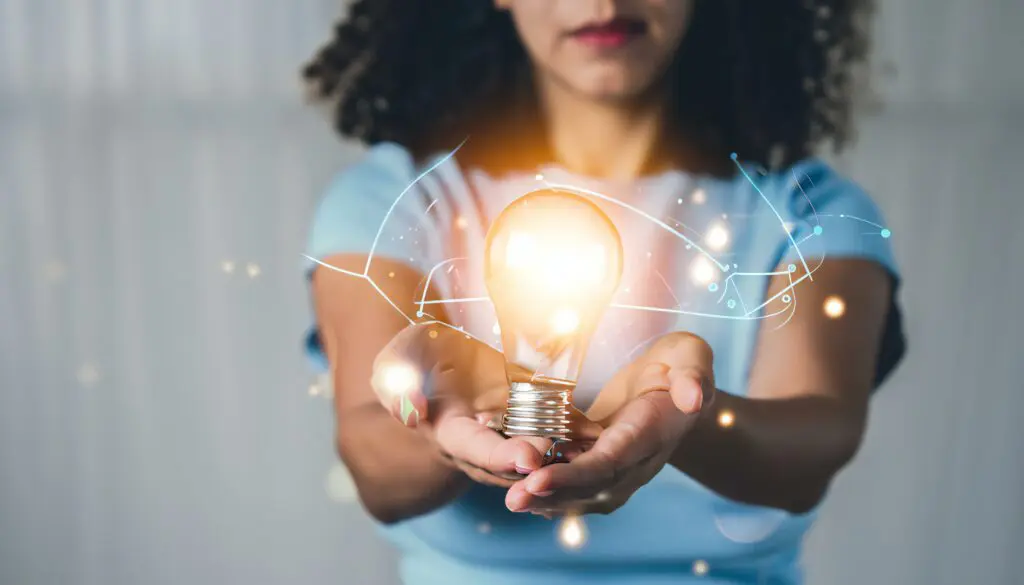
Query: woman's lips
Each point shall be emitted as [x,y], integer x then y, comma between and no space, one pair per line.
[614,33]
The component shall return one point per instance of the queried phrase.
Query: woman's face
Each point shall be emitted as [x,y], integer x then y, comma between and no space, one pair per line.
[603,49]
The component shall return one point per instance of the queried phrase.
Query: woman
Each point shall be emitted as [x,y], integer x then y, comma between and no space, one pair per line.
[643,101]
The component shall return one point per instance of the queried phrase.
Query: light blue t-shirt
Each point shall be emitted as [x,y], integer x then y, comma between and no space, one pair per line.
[701,247]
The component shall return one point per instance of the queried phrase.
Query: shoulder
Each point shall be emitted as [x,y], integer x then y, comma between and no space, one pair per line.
[381,167]
[813,186]
[829,214]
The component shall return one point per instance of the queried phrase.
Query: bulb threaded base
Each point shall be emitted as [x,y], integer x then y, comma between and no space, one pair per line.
[539,409]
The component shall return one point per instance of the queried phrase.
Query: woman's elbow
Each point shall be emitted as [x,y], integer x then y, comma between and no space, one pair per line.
[809,493]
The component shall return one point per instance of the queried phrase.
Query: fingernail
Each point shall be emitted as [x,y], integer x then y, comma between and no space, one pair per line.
[523,470]
[688,386]
[543,494]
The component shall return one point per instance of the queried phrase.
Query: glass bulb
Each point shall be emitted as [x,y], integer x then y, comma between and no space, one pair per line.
[553,262]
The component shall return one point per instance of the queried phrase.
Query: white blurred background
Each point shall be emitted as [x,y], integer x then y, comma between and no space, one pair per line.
[157,173]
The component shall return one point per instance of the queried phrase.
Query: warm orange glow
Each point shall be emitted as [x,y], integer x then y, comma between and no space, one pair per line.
[835,307]
[726,418]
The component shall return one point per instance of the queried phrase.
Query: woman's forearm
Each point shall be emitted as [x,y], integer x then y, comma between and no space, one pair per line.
[398,472]
[779,453]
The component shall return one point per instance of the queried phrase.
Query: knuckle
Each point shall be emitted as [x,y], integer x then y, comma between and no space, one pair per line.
[688,340]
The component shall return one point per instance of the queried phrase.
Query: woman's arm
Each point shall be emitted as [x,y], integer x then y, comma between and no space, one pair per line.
[806,408]
[398,472]
[802,420]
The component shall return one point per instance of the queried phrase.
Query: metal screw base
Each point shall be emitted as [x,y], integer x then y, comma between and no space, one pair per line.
[539,409]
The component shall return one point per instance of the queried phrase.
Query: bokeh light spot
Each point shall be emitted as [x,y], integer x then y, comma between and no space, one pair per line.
[835,307]
[726,419]
[572,532]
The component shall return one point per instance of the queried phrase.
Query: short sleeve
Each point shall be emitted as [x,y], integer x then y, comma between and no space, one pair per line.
[832,217]
[371,208]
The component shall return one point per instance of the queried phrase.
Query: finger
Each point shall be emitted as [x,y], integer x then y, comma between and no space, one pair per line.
[681,363]
[464,438]
[583,428]
[484,477]
[645,428]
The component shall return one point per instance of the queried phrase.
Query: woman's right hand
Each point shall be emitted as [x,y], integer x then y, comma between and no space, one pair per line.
[452,387]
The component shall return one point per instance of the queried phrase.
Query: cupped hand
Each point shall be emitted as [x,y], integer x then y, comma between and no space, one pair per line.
[645,410]
[451,387]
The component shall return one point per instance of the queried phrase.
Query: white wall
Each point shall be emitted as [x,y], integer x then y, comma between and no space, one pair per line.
[155,424]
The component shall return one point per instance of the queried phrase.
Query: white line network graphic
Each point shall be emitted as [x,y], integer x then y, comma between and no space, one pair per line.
[787,294]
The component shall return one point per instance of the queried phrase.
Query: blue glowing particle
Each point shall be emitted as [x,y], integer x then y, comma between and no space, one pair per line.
[713,286]
[818,229]
[731,304]
[886,233]
[733,156]
[786,298]
[419,313]
[792,267]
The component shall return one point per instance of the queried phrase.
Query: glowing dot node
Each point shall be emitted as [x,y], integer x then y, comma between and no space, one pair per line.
[391,274]
[726,418]
[792,267]
[700,568]
[786,298]
[398,379]
[432,334]
[818,230]
[717,237]
[699,197]
[713,286]
[253,269]
[886,233]
[835,307]
[419,313]
[461,223]
[731,304]
[539,177]
[228,267]
[702,271]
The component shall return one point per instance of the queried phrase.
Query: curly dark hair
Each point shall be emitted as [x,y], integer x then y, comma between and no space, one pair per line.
[771,81]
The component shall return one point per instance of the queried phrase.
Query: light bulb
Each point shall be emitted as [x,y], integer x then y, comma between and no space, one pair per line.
[553,262]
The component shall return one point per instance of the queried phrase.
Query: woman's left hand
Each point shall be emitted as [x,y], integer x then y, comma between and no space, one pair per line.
[644,410]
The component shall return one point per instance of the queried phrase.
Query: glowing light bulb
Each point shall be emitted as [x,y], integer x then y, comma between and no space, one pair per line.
[835,307]
[553,260]
[565,321]
[572,532]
